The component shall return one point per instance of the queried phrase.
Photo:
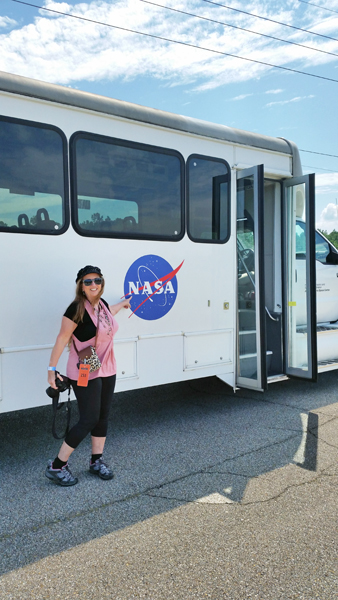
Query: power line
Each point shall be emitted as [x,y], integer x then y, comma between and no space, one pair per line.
[320,169]
[270,20]
[319,153]
[177,42]
[271,37]
[317,5]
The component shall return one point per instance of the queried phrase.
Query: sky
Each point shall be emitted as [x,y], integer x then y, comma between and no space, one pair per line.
[205,83]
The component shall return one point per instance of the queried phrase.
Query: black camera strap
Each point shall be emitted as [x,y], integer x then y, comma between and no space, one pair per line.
[56,407]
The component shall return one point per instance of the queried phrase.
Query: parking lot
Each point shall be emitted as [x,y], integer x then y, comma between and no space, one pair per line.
[216,495]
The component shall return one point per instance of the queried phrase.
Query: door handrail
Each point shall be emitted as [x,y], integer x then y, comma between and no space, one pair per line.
[253,281]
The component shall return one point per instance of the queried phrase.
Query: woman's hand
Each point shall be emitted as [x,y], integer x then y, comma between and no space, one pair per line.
[114,308]
[126,303]
[67,328]
[51,379]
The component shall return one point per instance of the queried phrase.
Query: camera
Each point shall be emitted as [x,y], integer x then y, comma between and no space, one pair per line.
[62,386]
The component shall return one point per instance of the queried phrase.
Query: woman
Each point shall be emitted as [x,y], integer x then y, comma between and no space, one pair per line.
[89,315]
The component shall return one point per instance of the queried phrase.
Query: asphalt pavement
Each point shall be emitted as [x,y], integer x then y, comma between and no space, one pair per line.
[216,496]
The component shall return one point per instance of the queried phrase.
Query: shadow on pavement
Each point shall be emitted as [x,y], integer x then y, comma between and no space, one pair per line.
[185,442]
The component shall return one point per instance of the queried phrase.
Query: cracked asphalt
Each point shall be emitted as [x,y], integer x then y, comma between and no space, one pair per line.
[216,495]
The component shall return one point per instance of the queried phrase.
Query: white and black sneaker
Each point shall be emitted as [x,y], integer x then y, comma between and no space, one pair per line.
[101,469]
[60,476]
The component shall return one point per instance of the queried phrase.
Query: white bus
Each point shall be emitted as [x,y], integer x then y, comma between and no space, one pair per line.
[211,229]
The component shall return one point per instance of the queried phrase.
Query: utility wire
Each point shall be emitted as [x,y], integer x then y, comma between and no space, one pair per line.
[271,37]
[319,153]
[157,37]
[317,5]
[270,20]
[320,169]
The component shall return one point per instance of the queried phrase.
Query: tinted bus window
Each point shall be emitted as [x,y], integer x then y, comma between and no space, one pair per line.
[123,189]
[32,178]
[208,199]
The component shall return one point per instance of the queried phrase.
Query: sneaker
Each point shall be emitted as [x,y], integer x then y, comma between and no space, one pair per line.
[101,469]
[60,476]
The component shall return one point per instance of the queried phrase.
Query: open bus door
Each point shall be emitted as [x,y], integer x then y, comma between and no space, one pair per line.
[251,337]
[296,325]
[299,278]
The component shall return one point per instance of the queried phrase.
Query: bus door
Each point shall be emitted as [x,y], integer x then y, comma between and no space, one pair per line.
[292,321]
[299,277]
[251,336]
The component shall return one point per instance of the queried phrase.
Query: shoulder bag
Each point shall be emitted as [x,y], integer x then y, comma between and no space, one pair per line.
[88,355]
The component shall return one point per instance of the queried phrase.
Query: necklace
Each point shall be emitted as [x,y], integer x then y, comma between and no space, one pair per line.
[96,308]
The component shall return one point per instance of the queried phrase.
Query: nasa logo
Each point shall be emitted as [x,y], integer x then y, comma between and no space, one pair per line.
[152,283]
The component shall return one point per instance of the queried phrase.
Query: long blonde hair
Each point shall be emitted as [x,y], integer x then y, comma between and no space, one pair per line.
[80,299]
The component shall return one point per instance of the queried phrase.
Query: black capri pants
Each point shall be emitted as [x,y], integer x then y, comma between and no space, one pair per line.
[94,403]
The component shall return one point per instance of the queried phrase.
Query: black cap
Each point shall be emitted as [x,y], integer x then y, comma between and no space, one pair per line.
[86,270]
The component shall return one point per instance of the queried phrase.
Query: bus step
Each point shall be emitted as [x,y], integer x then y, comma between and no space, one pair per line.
[327,365]
[327,345]
[277,378]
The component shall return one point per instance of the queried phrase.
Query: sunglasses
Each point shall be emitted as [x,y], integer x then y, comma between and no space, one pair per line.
[88,282]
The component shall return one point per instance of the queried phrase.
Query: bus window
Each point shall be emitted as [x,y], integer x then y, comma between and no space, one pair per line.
[124,189]
[322,249]
[208,199]
[32,178]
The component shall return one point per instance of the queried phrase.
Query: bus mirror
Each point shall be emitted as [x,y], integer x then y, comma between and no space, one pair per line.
[332,258]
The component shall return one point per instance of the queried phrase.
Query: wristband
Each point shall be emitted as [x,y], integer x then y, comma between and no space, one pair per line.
[51,368]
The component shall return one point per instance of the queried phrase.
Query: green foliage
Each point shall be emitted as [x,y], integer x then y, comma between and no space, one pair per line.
[332,237]
[99,223]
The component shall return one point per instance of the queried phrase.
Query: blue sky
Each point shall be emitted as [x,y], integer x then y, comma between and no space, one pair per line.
[194,82]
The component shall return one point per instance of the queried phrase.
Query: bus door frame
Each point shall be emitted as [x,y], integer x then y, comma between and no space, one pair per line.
[289,272]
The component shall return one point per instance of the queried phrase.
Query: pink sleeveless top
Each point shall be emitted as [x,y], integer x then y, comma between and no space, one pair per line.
[104,348]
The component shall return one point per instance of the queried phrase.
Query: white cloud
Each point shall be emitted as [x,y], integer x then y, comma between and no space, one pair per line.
[327,26]
[241,97]
[328,219]
[295,99]
[330,212]
[278,91]
[57,6]
[327,183]
[64,50]
[7,22]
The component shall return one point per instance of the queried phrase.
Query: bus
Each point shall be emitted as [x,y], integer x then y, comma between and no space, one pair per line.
[210,229]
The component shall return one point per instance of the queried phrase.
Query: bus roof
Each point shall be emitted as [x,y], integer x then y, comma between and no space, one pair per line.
[25,86]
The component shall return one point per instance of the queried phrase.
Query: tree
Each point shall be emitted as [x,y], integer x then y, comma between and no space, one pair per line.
[332,237]
[99,223]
